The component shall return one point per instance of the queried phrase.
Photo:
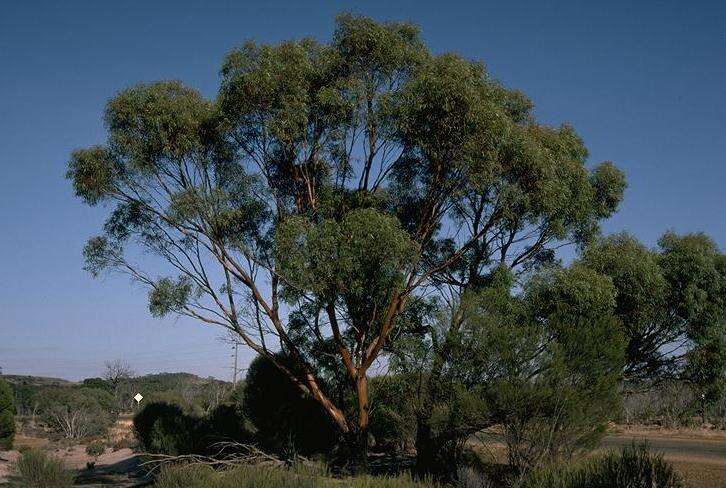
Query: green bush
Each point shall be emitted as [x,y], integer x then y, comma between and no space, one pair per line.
[200,476]
[95,449]
[226,423]
[165,429]
[556,402]
[36,469]
[162,428]
[393,412]
[7,420]
[286,420]
[77,412]
[634,467]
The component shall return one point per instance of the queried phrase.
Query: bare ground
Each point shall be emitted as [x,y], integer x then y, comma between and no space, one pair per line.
[700,455]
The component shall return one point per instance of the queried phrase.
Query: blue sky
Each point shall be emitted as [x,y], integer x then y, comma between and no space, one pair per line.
[643,82]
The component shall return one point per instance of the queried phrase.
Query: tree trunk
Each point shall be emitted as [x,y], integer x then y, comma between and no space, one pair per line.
[358,439]
[430,456]
[362,391]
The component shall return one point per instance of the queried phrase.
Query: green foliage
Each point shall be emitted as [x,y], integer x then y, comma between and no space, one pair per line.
[95,449]
[77,412]
[227,423]
[164,429]
[170,117]
[7,418]
[696,272]
[35,469]
[169,295]
[200,476]
[544,363]
[393,412]
[7,430]
[359,259]
[634,467]
[285,419]
[349,180]
[93,173]
[97,383]
[669,298]
[563,387]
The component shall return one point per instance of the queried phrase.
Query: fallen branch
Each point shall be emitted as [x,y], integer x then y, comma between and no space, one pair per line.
[229,454]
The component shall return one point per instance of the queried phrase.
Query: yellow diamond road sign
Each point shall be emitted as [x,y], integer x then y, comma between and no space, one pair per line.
[138,398]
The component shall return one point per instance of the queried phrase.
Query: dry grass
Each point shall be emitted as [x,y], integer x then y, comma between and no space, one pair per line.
[702,475]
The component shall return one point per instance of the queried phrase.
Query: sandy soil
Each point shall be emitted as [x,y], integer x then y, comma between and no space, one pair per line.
[6,460]
[114,468]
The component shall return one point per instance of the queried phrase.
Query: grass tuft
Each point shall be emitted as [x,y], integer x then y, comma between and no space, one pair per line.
[36,469]
[201,476]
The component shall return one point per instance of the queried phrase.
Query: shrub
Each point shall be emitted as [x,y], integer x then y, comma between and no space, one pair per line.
[165,429]
[7,412]
[558,400]
[284,417]
[226,423]
[393,412]
[36,469]
[634,467]
[77,412]
[162,428]
[98,383]
[95,449]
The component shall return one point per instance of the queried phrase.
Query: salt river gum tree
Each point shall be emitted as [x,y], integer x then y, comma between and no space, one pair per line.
[342,181]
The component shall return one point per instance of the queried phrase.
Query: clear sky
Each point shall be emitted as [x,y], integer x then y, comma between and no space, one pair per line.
[643,82]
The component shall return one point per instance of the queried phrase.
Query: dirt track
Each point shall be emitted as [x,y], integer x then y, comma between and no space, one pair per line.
[675,448]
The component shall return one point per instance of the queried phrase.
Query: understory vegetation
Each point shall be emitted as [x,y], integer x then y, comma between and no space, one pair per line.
[86,410]
[7,416]
[634,467]
[200,476]
[36,469]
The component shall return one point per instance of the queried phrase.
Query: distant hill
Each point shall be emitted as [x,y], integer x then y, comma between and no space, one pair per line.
[153,378]
[191,392]
[17,379]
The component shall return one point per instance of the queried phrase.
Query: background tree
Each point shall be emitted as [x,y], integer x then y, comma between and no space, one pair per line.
[7,416]
[542,359]
[77,412]
[117,371]
[346,180]
[671,302]
[118,375]
[561,367]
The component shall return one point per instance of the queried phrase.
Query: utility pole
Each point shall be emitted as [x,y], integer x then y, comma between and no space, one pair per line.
[234,374]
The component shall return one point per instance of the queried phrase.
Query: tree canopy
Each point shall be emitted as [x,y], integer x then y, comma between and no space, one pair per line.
[671,302]
[341,183]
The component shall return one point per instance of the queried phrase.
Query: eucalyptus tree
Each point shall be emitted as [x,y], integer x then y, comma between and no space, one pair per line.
[342,181]
[671,302]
